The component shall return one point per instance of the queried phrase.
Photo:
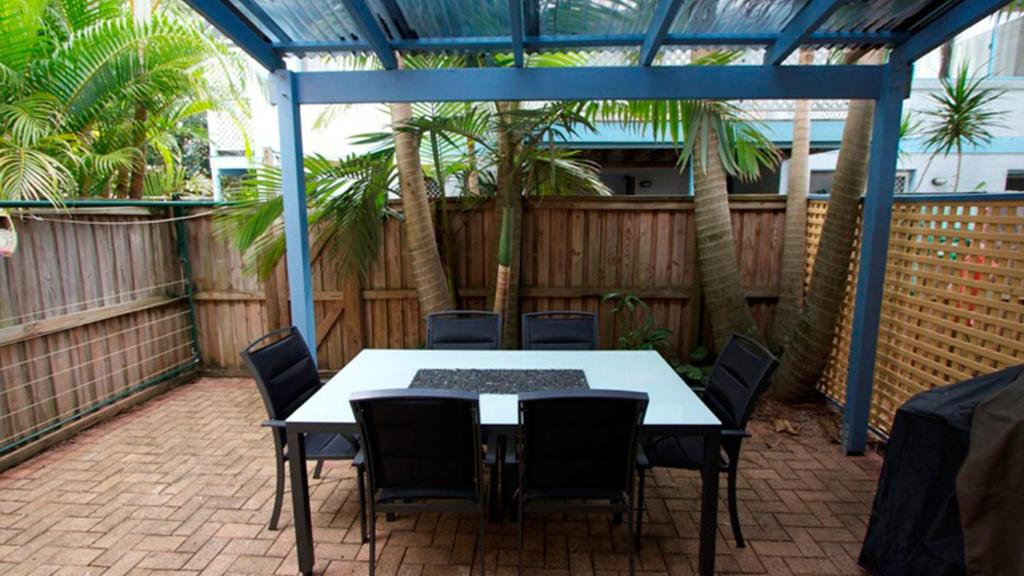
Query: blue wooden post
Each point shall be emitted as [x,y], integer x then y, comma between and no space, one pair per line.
[875,224]
[293,190]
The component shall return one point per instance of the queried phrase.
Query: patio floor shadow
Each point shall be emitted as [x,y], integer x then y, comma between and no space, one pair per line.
[183,485]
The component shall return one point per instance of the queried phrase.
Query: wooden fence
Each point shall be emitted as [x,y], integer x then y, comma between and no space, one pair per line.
[575,250]
[953,305]
[92,308]
[96,309]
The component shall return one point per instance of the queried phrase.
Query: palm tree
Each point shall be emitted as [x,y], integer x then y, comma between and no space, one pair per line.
[794,244]
[73,78]
[962,116]
[428,274]
[809,343]
[348,199]
[719,141]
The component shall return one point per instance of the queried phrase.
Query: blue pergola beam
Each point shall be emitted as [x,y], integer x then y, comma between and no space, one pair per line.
[664,16]
[515,21]
[957,19]
[371,32]
[875,224]
[499,43]
[264,19]
[293,194]
[590,83]
[799,29]
[238,29]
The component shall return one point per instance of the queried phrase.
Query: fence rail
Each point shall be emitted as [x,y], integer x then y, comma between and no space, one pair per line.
[93,308]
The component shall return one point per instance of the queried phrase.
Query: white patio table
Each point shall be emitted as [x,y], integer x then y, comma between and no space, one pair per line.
[673,409]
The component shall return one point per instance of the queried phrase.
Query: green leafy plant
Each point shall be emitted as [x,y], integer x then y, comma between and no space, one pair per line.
[698,369]
[962,116]
[636,324]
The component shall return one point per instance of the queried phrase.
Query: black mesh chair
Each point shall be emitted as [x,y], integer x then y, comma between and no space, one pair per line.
[464,330]
[581,447]
[471,330]
[739,377]
[560,331]
[423,454]
[286,377]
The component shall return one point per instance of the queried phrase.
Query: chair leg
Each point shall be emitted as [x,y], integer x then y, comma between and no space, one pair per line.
[494,489]
[509,490]
[480,544]
[734,515]
[522,523]
[641,477]
[275,515]
[319,468]
[373,540]
[631,538]
[360,481]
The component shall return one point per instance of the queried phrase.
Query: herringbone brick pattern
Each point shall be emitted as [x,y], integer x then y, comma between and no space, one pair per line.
[183,485]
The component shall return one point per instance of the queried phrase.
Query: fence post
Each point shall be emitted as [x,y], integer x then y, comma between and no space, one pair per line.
[875,225]
[186,269]
[293,191]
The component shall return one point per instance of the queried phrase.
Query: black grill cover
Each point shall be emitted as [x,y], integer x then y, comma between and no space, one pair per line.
[915,522]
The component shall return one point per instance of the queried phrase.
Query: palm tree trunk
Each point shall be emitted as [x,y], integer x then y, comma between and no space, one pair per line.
[723,290]
[508,214]
[959,165]
[810,344]
[428,275]
[137,183]
[794,244]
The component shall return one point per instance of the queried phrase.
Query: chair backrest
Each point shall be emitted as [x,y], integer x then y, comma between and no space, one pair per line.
[739,377]
[420,439]
[580,442]
[565,330]
[284,371]
[464,330]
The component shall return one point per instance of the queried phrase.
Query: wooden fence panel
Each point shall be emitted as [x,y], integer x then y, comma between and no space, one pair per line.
[574,251]
[93,310]
[953,305]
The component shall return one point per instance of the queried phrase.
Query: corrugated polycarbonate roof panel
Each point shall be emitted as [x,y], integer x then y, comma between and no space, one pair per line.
[452,18]
[320,21]
[735,16]
[562,24]
[875,15]
[595,17]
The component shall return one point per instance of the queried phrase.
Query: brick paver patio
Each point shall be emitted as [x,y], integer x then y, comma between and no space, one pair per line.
[183,485]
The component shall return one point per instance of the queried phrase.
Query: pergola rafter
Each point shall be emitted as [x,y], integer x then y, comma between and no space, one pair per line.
[813,15]
[910,38]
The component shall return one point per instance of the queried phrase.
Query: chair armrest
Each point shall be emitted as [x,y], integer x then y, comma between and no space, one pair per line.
[736,433]
[273,424]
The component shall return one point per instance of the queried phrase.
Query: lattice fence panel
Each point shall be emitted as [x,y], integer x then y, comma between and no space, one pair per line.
[953,305]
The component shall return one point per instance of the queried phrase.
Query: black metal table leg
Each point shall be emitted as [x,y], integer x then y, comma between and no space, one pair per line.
[300,501]
[709,501]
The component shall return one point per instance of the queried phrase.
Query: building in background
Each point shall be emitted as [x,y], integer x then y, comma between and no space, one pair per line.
[636,164]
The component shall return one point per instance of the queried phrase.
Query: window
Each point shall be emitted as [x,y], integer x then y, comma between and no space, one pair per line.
[821,181]
[1015,180]
[902,184]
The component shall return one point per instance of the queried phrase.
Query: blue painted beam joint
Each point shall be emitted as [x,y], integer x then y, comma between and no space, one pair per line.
[661,22]
[799,29]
